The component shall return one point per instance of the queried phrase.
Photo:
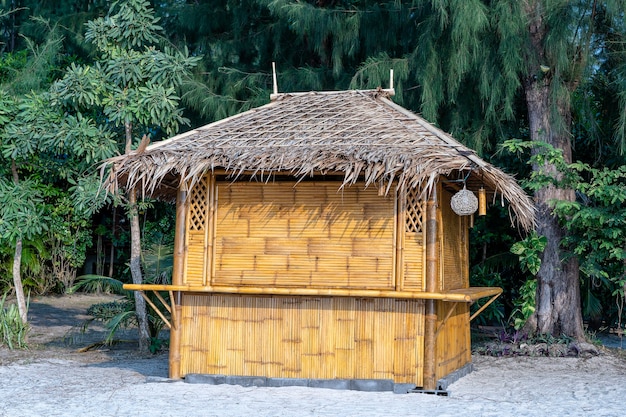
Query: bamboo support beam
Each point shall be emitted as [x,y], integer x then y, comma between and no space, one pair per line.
[179,238]
[466,295]
[484,306]
[172,310]
[156,309]
[443,323]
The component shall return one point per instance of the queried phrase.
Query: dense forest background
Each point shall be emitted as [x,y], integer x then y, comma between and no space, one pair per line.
[469,68]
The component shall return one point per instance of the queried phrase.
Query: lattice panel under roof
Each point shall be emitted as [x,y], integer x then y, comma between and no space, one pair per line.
[198,197]
[414,215]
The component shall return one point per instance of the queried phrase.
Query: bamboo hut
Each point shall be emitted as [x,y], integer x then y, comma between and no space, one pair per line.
[316,240]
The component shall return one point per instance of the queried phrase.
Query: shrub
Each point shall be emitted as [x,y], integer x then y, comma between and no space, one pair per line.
[13,330]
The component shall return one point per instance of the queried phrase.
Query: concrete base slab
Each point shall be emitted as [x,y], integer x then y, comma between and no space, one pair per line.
[344,384]
[340,384]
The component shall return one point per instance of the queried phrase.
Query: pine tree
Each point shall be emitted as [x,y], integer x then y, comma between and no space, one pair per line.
[316,46]
[496,52]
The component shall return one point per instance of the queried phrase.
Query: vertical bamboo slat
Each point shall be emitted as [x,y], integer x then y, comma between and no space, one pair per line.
[364,338]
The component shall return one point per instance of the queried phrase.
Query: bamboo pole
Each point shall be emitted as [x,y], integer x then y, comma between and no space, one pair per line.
[466,295]
[484,306]
[175,337]
[432,268]
[156,309]
[213,196]
[398,247]
[177,279]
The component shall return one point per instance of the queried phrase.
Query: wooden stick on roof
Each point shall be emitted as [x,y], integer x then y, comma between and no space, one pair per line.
[274,77]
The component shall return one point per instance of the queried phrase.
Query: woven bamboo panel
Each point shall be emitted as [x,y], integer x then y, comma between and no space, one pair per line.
[303,337]
[414,248]
[453,342]
[454,246]
[304,235]
[195,263]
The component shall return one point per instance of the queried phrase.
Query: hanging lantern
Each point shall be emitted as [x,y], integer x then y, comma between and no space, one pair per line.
[464,202]
[482,202]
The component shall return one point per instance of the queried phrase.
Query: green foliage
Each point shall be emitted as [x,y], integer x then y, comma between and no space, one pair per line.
[31,69]
[596,221]
[524,304]
[22,210]
[13,331]
[34,267]
[157,261]
[115,315]
[133,81]
[55,195]
[529,252]
[482,276]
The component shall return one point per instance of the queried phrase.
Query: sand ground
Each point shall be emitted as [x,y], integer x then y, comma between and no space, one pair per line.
[53,379]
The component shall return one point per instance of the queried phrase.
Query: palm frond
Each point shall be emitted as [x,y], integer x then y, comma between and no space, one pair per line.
[97,283]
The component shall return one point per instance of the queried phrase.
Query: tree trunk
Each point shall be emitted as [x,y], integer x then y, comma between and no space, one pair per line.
[135,270]
[558,306]
[135,256]
[112,253]
[17,282]
[17,263]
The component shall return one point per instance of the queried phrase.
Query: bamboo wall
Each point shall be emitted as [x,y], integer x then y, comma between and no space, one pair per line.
[453,345]
[303,337]
[275,234]
[310,235]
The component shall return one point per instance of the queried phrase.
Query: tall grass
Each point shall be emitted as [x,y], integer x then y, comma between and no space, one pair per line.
[13,330]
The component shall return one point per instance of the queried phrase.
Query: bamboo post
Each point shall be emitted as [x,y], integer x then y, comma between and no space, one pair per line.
[175,333]
[179,238]
[178,279]
[432,266]
[398,240]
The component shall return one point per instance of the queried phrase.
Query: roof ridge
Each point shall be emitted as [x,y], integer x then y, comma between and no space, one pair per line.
[388,92]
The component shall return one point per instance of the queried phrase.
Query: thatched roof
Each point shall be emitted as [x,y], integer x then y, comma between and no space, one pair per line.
[361,135]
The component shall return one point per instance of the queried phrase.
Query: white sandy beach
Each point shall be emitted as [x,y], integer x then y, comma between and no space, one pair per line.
[498,387]
[56,381]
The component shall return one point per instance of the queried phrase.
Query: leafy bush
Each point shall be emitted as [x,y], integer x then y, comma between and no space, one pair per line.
[115,315]
[524,304]
[13,330]
[483,277]
[157,261]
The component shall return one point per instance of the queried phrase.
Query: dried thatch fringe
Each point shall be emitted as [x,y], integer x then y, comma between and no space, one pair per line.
[361,134]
